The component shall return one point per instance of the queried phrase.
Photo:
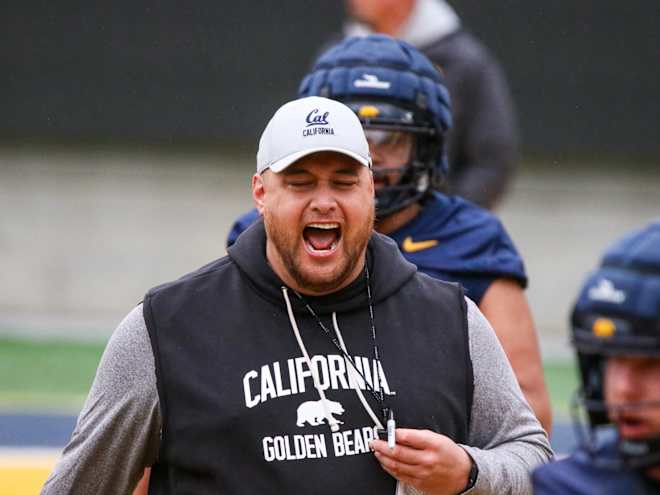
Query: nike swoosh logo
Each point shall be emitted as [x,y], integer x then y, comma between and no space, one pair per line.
[410,246]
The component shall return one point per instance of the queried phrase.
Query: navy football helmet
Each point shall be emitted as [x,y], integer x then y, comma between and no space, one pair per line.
[392,87]
[618,313]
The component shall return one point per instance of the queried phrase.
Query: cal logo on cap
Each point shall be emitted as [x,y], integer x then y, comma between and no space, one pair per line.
[603,328]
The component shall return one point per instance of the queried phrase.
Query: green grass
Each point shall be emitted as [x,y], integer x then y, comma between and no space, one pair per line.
[36,375]
[562,380]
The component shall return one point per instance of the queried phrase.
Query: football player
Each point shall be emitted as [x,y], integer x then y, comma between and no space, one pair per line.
[403,104]
[616,334]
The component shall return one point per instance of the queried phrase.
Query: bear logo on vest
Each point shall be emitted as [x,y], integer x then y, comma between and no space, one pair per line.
[313,412]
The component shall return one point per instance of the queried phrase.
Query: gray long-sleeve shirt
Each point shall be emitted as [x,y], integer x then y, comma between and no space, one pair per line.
[118,430]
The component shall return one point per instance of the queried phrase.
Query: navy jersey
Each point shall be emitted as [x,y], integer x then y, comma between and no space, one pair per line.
[580,475]
[451,239]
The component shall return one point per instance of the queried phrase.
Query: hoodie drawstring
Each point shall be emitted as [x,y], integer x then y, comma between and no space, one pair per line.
[334,424]
[352,373]
[352,376]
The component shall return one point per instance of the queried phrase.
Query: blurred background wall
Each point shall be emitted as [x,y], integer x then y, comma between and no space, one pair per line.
[129,129]
[584,73]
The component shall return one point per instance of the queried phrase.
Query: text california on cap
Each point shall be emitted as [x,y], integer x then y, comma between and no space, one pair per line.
[309,125]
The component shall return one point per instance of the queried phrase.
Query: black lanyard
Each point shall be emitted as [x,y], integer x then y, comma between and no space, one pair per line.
[379,396]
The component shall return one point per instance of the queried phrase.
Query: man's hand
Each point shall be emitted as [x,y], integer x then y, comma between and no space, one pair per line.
[428,461]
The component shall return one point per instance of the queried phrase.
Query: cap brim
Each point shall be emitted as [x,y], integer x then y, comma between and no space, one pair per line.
[283,163]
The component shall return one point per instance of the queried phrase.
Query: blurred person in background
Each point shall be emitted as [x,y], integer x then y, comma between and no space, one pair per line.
[403,105]
[483,143]
[616,335]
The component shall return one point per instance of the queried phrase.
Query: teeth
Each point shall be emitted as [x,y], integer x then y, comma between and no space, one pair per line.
[326,226]
[332,247]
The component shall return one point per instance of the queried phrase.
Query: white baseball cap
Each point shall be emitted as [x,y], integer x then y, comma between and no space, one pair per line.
[308,125]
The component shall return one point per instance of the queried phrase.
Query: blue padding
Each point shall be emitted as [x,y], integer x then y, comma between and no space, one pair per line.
[638,250]
[628,281]
[398,72]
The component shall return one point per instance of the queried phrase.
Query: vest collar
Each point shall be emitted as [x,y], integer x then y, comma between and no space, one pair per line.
[388,269]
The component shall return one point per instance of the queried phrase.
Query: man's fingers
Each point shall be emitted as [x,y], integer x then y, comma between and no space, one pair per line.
[402,472]
[401,453]
[417,439]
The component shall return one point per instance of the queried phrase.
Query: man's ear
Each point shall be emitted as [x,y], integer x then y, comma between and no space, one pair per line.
[258,192]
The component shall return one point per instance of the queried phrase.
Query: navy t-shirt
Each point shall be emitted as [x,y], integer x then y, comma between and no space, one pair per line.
[583,474]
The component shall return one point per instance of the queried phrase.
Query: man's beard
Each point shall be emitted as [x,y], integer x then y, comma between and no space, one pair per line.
[287,247]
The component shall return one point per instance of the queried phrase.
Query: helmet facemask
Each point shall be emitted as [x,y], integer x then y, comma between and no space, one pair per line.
[632,337]
[416,173]
[638,453]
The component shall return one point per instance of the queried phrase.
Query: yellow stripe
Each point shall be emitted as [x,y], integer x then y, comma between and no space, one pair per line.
[22,481]
[23,472]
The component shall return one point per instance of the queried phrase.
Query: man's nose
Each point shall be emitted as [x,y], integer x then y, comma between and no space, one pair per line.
[324,200]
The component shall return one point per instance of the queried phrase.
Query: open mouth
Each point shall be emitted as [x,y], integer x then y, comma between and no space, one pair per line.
[631,426]
[322,238]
